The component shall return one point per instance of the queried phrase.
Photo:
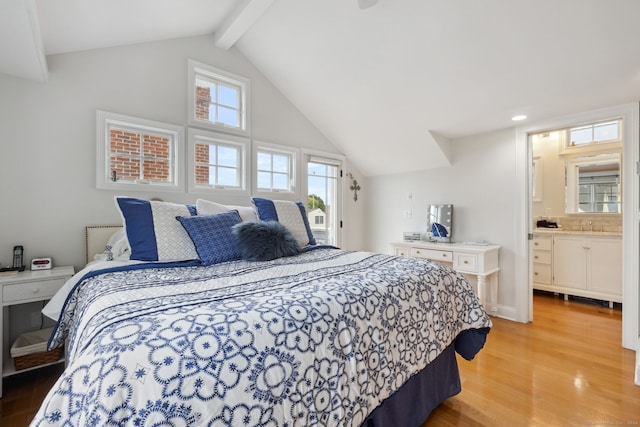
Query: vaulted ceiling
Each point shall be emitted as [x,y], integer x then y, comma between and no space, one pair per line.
[389,85]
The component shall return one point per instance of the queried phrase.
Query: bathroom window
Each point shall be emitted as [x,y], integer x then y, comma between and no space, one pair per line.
[593,134]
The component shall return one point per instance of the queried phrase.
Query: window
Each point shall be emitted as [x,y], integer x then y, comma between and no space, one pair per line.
[216,161]
[217,99]
[323,194]
[274,168]
[136,154]
[592,134]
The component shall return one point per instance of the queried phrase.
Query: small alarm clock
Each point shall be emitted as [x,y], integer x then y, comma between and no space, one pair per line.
[41,264]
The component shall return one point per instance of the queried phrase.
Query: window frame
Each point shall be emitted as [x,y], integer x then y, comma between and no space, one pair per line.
[592,146]
[196,69]
[105,120]
[243,144]
[293,153]
[334,159]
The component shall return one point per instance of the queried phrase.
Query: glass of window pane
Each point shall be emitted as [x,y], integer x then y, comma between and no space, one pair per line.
[280,181]
[605,132]
[264,161]
[228,96]
[156,170]
[581,136]
[264,180]
[227,156]
[280,163]
[228,116]
[228,177]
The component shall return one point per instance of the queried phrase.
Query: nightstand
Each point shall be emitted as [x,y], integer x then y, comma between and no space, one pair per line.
[21,288]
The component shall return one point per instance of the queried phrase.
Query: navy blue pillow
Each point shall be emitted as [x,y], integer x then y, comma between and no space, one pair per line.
[212,236]
[265,240]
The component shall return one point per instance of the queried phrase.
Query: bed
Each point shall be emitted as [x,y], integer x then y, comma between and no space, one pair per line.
[320,337]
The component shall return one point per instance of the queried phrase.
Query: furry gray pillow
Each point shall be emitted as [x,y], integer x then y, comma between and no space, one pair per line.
[265,240]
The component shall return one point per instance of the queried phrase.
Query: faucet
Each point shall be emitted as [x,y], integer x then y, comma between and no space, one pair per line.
[590,226]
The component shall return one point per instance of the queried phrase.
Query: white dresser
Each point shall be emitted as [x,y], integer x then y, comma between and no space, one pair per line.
[481,261]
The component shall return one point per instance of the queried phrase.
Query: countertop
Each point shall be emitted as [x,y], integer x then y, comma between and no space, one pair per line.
[589,233]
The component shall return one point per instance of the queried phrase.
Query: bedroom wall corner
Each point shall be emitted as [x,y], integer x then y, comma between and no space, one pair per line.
[479,183]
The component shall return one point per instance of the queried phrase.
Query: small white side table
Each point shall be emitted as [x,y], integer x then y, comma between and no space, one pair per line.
[20,288]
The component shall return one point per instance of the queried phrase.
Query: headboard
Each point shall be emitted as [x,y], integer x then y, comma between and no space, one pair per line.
[96,238]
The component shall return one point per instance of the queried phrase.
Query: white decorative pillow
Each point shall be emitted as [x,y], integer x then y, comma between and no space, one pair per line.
[292,215]
[153,232]
[206,207]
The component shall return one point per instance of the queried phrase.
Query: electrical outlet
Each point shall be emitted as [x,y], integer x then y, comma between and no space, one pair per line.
[407,214]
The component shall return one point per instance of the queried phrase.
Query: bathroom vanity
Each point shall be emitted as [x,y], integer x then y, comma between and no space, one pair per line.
[580,263]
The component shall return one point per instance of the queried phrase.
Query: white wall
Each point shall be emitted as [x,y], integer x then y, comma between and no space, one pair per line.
[47,146]
[480,184]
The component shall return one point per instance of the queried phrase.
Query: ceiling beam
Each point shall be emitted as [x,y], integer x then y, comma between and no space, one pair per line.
[21,42]
[239,21]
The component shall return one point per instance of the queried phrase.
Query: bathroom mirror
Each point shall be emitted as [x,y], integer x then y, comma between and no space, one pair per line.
[593,184]
[439,223]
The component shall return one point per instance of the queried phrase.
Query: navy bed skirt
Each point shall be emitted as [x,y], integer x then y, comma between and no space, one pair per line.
[414,401]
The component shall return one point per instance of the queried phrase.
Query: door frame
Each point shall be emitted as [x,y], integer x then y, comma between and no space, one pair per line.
[630,215]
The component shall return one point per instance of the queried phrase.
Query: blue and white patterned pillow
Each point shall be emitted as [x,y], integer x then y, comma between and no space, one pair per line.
[213,237]
[153,232]
[290,214]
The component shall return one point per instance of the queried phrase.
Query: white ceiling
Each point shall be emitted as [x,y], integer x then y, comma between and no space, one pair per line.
[389,85]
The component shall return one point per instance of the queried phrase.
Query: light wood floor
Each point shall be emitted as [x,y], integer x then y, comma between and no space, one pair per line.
[567,368]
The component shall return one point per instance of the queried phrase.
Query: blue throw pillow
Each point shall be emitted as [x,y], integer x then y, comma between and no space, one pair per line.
[290,214]
[153,233]
[265,240]
[212,236]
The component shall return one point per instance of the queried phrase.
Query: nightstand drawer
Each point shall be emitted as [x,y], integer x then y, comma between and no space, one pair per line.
[432,254]
[467,263]
[40,290]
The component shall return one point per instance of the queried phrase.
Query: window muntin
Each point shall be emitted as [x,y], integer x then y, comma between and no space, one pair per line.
[275,168]
[134,152]
[218,161]
[595,133]
[218,99]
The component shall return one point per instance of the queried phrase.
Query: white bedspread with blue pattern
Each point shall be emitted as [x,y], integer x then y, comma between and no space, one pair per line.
[318,339]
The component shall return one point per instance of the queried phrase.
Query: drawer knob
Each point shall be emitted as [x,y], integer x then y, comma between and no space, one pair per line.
[466,262]
[535,273]
[417,252]
[536,256]
[536,243]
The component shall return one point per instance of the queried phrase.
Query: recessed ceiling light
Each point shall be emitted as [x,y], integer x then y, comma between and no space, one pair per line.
[518,118]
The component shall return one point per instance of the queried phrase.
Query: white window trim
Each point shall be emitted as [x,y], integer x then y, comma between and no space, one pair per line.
[338,160]
[293,193]
[104,119]
[213,73]
[194,135]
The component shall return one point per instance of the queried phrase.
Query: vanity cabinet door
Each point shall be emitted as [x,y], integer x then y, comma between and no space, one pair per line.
[604,265]
[570,261]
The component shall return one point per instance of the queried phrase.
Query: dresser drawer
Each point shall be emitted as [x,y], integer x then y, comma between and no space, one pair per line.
[38,290]
[542,273]
[435,255]
[543,257]
[467,263]
[402,251]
